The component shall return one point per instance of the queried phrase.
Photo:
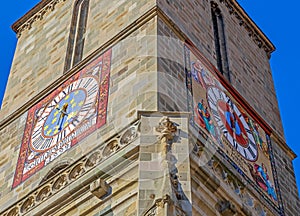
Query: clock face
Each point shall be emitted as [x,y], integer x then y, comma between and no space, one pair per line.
[232,123]
[64,117]
[59,118]
[238,134]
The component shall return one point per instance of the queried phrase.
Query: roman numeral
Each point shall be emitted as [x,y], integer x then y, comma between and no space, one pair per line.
[47,143]
[75,122]
[93,90]
[86,107]
[70,87]
[235,144]
[36,132]
[245,154]
[64,92]
[42,118]
[61,135]
[88,82]
[251,152]
[215,112]
[223,128]
[251,143]
[53,104]
[38,142]
[248,130]
[210,98]
[216,115]
[221,95]
[215,94]
[229,101]
[78,85]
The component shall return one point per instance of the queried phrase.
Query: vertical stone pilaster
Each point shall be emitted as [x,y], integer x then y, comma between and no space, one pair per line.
[164,175]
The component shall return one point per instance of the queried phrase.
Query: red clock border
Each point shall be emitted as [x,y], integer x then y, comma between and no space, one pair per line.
[101,105]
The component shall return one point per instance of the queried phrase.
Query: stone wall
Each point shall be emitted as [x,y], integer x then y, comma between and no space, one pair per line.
[133,87]
[147,73]
[40,53]
[248,64]
[172,90]
[286,179]
[250,70]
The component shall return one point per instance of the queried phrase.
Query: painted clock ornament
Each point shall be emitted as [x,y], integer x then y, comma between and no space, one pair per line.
[64,113]
[64,117]
[239,135]
[232,123]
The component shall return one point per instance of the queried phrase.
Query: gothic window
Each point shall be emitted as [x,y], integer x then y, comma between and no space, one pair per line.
[220,41]
[77,34]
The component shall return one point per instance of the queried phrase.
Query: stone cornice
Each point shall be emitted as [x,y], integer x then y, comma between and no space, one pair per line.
[254,31]
[119,151]
[280,141]
[148,15]
[221,178]
[232,5]
[36,13]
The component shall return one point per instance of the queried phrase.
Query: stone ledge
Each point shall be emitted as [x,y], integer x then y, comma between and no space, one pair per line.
[76,178]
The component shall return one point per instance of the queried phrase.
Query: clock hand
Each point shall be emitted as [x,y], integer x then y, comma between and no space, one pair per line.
[63,113]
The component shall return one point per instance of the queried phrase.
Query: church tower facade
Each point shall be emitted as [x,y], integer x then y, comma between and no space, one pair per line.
[143,107]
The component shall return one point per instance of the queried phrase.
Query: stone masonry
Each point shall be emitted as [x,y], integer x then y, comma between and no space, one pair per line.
[149,158]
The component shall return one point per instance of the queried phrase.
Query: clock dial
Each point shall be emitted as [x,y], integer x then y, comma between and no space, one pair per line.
[64,117]
[64,113]
[232,123]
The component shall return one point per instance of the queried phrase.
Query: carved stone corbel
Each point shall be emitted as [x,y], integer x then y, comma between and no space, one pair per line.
[99,188]
[167,129]
[158,205]
[226,208]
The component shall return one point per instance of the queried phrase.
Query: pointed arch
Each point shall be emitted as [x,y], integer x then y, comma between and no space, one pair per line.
[77,34]
[56,169]
[220,40]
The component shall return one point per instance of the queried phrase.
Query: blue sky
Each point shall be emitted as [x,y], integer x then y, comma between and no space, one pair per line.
[278,20]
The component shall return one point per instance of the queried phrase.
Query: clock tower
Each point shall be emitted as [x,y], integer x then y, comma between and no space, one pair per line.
[143,107]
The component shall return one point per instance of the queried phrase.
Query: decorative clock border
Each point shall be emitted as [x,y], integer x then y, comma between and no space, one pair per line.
[102,64]
[188,50]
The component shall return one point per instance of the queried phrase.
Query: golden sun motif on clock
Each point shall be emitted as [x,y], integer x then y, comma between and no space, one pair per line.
[59,118]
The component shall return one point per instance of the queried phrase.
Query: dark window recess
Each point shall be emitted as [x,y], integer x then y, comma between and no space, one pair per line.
[77,34]
[220,41]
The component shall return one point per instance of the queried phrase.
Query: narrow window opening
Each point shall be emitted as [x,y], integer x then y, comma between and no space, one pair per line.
[220,41]
[77,34]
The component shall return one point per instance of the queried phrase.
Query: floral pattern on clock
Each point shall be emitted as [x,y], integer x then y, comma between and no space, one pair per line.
[64,117]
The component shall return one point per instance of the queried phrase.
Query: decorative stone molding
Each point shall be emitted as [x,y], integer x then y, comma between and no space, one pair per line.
[167,134]
[37,13]
[253,31]
[74,172]
[44,193]
[159,203]
[231,182]
[162,203]
[99,188]
[167,130]
[226,208]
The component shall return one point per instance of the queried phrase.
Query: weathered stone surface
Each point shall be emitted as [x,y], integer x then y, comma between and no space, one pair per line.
[148,74]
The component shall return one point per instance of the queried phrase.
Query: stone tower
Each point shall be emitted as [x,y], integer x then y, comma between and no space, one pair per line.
[142,107]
